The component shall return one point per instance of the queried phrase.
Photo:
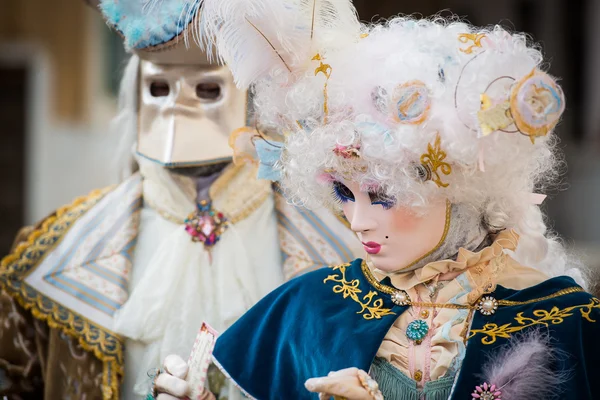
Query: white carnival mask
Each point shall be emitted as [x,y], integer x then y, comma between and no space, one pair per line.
[186,113]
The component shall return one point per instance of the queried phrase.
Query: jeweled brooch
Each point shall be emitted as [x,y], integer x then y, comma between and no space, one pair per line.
[401,298]
[487,392]
[487,305]
[417,330]
[205,224]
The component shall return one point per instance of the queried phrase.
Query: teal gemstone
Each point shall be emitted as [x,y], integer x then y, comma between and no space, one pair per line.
[417,330]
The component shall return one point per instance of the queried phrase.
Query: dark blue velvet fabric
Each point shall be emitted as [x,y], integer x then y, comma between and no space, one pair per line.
[299,331]
[304,329]
[573,335]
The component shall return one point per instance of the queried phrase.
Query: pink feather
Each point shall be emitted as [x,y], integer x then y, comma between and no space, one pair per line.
[523,369]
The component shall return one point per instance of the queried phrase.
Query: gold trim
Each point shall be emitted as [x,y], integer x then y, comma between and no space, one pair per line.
[374,282]
[555,316]
[434,160]
[351,289]
[507,303]
[574,289]
[324,69]
[105,346]
[216,189]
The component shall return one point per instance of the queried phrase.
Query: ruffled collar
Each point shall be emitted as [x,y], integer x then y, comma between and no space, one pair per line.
[466,261]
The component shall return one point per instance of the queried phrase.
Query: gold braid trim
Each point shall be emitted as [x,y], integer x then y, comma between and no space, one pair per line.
[374,282]
[106,346]
[562,292]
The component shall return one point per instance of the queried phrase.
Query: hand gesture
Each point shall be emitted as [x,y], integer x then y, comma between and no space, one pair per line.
[348,384]
[171,385]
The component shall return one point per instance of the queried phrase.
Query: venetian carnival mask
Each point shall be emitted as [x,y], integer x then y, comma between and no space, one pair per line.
[395,239]
[186,113]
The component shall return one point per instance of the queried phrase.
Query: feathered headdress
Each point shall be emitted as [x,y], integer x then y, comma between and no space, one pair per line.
[261,37]
[424,109]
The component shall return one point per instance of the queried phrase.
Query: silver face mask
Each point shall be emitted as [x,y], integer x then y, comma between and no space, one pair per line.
[186,113]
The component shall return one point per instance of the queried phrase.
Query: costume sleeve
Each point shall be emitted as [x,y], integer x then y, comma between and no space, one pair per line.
[38,362]
[22,345]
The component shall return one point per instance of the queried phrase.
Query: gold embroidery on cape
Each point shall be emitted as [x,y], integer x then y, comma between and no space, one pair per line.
[106,347]
[371,307]
[540,317]
[434,160]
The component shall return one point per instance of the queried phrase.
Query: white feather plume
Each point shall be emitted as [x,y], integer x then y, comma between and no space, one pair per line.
[260,37]
[523,369]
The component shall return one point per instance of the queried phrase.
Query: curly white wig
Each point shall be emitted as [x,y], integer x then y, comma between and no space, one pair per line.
[422,110]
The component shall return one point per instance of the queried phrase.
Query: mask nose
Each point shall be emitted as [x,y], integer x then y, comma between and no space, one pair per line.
[185,96]
[360,218]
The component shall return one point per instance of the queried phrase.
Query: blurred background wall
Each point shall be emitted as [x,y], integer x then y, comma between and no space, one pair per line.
[59,71]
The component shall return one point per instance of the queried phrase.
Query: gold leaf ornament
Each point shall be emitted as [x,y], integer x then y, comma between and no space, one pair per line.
[324,69]
[555,316]
[371,306]
[433,160]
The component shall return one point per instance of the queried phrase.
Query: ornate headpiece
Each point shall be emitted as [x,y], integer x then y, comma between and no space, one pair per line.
[422,108]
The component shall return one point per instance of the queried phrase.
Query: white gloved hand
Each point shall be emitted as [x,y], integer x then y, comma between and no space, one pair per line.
[344,384]
[171,384]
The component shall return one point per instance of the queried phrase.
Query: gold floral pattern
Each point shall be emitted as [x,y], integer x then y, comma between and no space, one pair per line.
[434,160]
[555,316]
[371,305]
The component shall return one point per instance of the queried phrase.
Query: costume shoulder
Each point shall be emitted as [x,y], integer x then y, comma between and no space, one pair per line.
[323,321]
[559,310]
[70,270]
[558,303]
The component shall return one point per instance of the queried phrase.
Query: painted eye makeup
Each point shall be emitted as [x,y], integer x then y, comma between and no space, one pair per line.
[342,193]
[381,199]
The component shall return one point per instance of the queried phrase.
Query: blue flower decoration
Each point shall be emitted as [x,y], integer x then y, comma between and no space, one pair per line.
[417,330]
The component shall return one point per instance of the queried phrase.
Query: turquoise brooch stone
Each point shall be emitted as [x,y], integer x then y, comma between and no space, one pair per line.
[417,330]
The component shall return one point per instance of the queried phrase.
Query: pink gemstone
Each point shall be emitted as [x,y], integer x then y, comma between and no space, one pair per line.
[207,225]
[478,389]
[492,388]
[485,386]
[476,396]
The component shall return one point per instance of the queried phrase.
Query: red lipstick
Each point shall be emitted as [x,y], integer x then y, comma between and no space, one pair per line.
[372,247]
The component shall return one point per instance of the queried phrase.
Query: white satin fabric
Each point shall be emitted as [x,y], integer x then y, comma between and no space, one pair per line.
[174,287]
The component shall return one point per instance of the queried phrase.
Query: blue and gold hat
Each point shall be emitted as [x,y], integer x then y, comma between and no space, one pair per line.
[160,31]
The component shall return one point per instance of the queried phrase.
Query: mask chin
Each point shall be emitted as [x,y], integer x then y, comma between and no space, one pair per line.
[465,229]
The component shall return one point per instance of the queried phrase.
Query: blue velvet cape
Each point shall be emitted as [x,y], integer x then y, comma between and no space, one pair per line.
[336,318]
